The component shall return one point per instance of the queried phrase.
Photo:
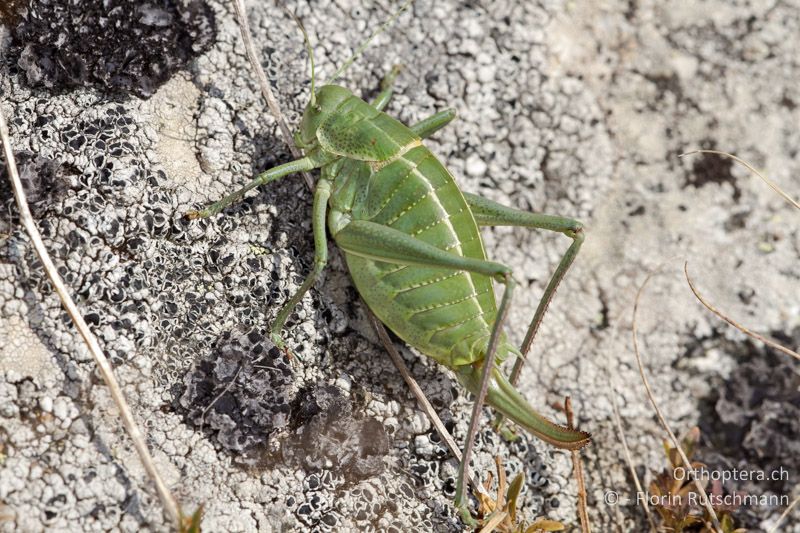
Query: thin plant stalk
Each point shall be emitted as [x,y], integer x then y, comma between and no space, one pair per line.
[752,169]
[424,404]
[263,83]
[107,373]
[577,466]
[675,442]
[726,318]
[629,460]
[783,516]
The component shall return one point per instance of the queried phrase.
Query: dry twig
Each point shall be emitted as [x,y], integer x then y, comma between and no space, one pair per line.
[577,466]
[675,442]
[107,373]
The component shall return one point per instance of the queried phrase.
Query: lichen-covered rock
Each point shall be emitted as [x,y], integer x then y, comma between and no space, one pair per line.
[331,436]
[575,111]
[752,418]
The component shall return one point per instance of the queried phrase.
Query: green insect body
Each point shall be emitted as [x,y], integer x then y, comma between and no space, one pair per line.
[391,205]
[382,174]
[412,244]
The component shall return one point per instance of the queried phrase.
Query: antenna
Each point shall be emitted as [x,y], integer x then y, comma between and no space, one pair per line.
[363,46]
[309,49]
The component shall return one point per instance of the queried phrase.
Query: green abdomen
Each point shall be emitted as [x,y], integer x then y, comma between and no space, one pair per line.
[445,314]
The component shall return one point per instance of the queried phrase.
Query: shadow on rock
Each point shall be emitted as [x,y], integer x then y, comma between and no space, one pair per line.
[331,437]
[244,392]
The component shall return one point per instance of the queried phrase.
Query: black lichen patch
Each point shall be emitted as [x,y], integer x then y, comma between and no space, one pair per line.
[44,181]
[242,393]
[713,168]
[132,47]
[331,436]
[752,419]
[10,11]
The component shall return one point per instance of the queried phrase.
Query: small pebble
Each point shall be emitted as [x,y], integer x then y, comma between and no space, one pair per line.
[46,404]
[60,408]
[475,166]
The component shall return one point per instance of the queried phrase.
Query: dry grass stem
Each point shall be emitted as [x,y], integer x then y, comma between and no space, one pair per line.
[628,459]
[784,515]
[263,83]
[723,316]
[577,467]
[749,167]
[136,435]
[675,442]
[424,404]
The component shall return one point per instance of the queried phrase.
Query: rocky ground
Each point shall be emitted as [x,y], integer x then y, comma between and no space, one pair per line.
[579,109]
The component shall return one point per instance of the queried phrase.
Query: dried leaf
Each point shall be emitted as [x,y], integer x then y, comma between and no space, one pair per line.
[545,525]
[513,496]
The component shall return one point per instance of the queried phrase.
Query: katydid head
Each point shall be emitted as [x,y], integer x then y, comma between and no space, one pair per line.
[321,102]
[324,101]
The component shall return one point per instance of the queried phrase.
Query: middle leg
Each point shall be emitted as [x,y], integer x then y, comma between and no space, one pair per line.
[426,127]
[385,95]
[321,195]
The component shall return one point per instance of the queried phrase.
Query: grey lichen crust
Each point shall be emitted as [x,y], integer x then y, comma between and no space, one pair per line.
[580,112]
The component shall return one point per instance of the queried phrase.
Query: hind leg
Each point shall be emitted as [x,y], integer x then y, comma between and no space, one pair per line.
[489,213]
